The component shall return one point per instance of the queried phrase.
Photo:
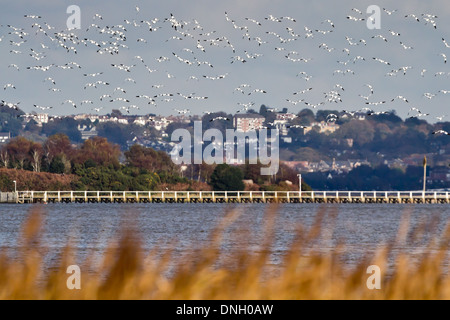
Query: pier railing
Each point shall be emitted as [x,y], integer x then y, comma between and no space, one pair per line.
[234,196]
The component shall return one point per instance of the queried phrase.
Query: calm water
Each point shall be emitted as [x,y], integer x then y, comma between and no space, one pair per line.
[91,227]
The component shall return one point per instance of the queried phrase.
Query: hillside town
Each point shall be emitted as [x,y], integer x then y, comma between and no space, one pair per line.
[331,143]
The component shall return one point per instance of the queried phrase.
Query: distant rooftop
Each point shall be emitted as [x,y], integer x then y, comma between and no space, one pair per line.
[249,115]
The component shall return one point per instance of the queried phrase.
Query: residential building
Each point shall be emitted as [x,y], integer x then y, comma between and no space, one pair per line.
[323,127]
[5,137]
[39,118]
[141,121]
[248,122]
[87,132]
[286,116]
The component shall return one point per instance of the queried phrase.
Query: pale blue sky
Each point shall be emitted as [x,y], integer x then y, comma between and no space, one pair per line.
[271,72]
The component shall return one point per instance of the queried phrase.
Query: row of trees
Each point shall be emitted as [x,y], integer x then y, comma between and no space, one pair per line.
[376,138]
[366,178]
[57,154]
[98,164]
[231,178]
[384,135]
[13,120]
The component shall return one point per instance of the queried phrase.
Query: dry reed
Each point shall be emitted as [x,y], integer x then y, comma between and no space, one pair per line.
[205,273]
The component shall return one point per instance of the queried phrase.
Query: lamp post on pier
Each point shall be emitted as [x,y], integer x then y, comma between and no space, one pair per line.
[424,173]
[15,192]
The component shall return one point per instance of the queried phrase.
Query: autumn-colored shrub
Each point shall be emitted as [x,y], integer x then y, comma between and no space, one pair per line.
[36,181]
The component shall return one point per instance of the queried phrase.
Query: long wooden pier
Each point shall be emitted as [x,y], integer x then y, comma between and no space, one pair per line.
[441,197]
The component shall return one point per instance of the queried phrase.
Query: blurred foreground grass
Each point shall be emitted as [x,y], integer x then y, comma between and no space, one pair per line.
[204,273]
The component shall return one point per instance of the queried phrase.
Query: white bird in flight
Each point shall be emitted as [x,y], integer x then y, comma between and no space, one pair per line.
[441,132]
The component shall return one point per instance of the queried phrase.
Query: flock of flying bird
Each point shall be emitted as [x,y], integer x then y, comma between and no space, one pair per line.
[40,40]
